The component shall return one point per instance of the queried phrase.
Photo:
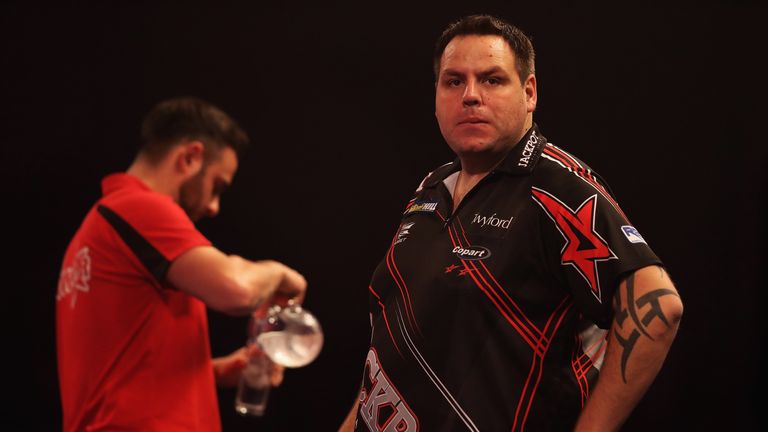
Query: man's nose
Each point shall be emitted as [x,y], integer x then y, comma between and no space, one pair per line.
[212,209]
[471,94]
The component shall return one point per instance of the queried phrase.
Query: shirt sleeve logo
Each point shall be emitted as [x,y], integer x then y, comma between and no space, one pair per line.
[75,277]
[632,234]
[583,247]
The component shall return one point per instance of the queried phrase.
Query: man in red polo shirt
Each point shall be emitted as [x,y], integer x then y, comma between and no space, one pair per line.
[132,334]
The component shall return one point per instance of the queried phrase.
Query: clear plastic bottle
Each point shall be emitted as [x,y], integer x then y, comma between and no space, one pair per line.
[290,337]
[254,386]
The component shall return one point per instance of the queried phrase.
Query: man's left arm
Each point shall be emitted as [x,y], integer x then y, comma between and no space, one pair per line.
[647,311]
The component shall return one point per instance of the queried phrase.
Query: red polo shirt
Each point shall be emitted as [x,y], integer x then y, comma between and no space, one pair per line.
[133,352]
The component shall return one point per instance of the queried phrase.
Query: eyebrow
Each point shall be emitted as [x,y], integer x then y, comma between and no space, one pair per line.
[487,72]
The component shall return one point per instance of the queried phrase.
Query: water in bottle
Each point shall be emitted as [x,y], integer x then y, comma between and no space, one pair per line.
[292,336]
[253,388]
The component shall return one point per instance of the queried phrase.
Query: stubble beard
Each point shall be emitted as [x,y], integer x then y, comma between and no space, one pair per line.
[189,196]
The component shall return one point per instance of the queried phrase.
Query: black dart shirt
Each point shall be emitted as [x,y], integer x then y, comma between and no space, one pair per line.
[493,317]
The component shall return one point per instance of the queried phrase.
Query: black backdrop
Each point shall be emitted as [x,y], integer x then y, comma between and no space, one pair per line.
[661,99]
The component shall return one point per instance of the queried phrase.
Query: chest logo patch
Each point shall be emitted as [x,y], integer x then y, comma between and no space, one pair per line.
[421,207]
[402,234]
[492,221]
[472,253]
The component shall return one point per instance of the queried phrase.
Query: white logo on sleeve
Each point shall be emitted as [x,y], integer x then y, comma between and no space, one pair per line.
[632,234]
[75,277]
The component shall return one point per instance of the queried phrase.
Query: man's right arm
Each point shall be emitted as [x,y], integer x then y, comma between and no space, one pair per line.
[231,284]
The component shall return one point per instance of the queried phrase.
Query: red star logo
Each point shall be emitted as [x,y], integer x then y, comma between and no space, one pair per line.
[451,268]
[584,247]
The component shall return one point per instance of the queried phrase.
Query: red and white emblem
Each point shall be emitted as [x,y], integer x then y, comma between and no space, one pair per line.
[584,247]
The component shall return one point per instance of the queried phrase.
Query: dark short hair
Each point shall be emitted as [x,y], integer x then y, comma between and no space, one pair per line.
[483,25]
[190,118]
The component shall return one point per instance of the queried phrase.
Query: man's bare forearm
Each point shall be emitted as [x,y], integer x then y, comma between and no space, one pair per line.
[647,311]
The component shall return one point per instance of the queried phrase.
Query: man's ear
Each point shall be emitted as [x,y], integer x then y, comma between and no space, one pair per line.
[189,158]
[531,95]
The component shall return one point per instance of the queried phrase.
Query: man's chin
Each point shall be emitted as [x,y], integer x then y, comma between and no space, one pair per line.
[476,148]
[473,144]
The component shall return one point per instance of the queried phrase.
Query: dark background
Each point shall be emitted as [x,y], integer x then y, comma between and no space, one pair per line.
[661,99]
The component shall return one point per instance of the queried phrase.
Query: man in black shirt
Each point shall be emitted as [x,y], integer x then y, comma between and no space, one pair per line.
[514,278]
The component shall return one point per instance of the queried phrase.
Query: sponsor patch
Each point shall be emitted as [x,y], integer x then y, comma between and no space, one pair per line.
[74,278]
[382,406]
[632,234]
[402,235]
[528,149]
[492,220]
[421,207]
[472,252]
[584,247]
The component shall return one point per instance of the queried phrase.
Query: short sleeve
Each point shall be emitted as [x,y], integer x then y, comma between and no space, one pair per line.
[590,243]
[166,226]
[154,227]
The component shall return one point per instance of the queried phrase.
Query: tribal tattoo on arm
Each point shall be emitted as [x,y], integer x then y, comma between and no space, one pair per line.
[632,310]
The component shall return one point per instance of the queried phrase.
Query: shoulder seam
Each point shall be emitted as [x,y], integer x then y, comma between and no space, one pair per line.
[154,261]
[568,162]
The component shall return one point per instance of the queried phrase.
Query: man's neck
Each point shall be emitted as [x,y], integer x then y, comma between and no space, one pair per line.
[464,183]
[155,177]
[474,167]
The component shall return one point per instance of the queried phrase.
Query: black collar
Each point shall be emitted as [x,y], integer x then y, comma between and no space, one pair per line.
[520,160]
